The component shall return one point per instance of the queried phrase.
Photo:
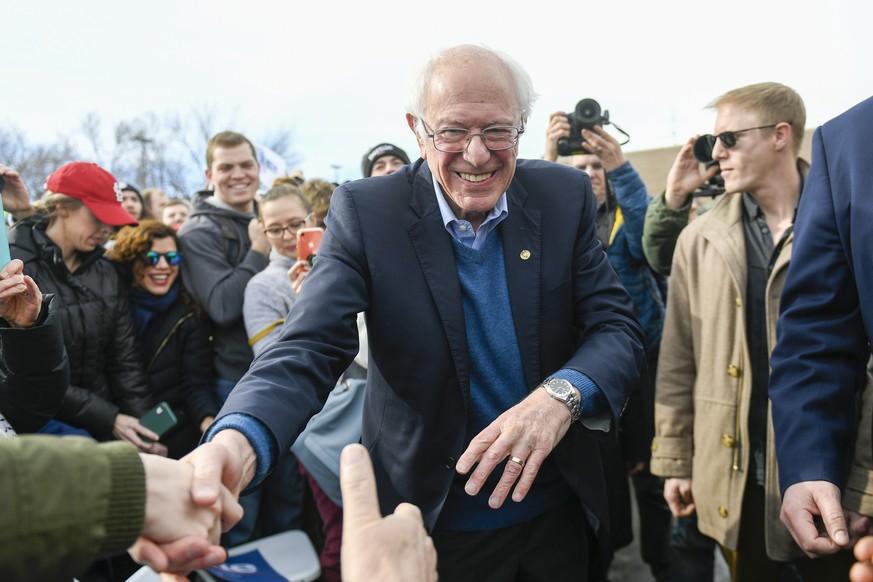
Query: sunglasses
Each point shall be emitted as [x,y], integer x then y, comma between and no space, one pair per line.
[704,144]
[152,258]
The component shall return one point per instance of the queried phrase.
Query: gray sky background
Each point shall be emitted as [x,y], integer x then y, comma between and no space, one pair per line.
[335,73]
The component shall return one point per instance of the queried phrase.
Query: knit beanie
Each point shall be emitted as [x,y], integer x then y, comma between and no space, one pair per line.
[381,150]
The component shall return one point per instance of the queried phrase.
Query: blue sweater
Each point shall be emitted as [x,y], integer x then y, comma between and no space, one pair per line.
[496,384]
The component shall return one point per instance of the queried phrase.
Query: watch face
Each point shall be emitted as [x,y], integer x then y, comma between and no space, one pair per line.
[560,389]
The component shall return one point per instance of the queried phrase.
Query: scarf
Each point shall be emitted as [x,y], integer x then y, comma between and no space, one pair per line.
[145,305]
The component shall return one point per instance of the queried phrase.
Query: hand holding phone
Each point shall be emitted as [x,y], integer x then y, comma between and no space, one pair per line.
[159,420]
[308,240]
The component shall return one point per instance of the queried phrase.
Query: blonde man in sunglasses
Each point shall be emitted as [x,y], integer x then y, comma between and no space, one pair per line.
[713,434]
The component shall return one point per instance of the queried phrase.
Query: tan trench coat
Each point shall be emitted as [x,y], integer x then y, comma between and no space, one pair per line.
[704,384]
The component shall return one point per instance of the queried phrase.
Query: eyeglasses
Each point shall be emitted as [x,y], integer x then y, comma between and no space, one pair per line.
[152,258]
[729,138]
[278,231]
[454,140]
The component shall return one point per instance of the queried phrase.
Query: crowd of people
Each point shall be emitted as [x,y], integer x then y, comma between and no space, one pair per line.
[524,348]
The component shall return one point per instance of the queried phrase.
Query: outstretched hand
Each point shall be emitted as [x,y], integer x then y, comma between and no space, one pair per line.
[393,548]
[179,535]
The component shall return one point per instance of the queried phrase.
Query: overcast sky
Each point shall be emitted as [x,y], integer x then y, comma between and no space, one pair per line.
[334,73]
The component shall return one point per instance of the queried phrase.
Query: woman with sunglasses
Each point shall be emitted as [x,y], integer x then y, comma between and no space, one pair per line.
[62,247]
[175,350]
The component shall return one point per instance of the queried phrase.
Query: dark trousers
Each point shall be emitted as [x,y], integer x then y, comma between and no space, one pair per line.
[550,548]
[750,562]
[655,521]
[692,554]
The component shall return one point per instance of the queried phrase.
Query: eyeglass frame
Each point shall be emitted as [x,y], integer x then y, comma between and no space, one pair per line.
[471,135]
[288,228]
[731,136]
[152,258]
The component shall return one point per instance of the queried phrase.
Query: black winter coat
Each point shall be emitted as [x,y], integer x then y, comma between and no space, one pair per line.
[105,374]
[176,350]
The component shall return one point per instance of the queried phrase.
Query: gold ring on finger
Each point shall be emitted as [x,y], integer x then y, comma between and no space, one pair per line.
[516,460]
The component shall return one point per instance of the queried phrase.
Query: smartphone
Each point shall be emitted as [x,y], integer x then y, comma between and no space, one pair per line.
[307,242]
[159,419]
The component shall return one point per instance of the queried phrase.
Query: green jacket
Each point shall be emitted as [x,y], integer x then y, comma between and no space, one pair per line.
[661,230]
[66,501]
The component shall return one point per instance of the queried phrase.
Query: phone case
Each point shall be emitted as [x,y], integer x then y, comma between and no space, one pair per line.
[307,241]
[159,419]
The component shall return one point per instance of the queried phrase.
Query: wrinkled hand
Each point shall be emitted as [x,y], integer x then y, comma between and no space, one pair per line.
[804,502]
[219,466]
[297,274]
[20,298]
[685,176]
[559,126]
[393,548]
[862,571]
[530,431]
[16,200]
[605,147]
[129,429]
[258,238]
[175,530]
[677,494]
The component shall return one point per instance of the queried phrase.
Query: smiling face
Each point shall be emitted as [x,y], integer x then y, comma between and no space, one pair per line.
[591,165]
[235,175]
[157,279]
[285,213]
[470,92]
[747,166]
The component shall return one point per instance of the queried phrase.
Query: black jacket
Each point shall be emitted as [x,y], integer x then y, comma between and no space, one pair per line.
[92,304]
[34,373]
[176,353]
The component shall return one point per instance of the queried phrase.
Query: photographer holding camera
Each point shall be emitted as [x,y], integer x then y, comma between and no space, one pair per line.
[622,202]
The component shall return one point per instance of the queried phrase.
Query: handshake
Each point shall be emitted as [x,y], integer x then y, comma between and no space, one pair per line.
[185,515]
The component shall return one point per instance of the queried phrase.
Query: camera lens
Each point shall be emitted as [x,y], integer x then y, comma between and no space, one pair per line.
[703,148]
[588,112]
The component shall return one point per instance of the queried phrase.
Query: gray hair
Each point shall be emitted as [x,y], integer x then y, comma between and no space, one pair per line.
[525,96]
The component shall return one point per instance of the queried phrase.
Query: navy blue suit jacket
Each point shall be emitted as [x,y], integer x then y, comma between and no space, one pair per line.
[387,253]
[819,361]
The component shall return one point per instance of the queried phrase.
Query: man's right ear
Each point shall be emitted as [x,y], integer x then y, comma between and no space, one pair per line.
[410,121]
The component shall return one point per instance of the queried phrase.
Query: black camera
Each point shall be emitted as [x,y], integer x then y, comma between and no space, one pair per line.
[586,116]
[703,152]
[2,183]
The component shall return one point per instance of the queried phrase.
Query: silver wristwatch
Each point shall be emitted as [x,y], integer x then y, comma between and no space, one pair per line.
[565,392]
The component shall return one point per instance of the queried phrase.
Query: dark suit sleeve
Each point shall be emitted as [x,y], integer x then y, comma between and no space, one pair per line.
[612,347]
[818,362]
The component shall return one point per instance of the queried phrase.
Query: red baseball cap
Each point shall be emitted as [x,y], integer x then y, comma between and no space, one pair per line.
[95,187]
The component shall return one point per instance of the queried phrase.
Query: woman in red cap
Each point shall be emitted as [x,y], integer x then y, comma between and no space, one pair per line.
[62,247]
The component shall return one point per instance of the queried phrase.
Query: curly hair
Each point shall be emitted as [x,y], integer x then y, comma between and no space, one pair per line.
[133,241]
[318,192]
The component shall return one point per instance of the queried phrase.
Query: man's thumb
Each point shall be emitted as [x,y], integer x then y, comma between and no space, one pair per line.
[358,483]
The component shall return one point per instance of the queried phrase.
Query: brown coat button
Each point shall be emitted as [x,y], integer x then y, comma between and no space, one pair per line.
[728,441]
[723,511]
